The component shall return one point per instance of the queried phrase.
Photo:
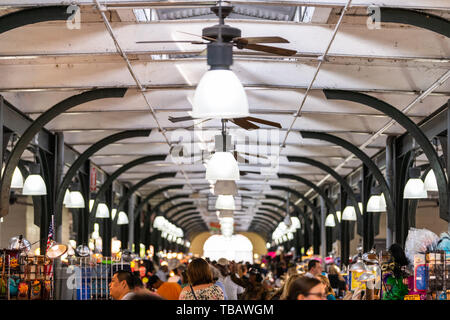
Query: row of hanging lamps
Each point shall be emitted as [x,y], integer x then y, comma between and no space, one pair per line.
[414,188]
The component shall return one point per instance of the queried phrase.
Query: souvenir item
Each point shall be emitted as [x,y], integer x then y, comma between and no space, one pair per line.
[23,290]
[13,286]
[36,288]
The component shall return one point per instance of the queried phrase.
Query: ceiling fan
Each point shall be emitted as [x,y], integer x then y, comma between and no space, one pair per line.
[246,122]
[228,34]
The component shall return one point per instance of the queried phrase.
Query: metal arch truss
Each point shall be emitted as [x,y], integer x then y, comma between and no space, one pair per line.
[413,130]
[175,206]
[153,194]
[321,192]
[34,15]
[416,18]
[142,183]
[37,125]
[366,160]
[108,182]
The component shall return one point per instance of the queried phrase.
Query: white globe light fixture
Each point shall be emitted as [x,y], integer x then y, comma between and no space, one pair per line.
[113,213]
[102,211]
[66,200]
[415,188]
[430,181]
[329,221]
[122,218]
[76,200]
[17,179]
[222,166]
[220,95]
[349,213]
[224,202]
[34,185]
[376,201]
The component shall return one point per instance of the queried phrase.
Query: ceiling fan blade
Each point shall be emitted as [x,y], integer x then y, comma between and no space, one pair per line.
[253,40]
[262,121]
[196,35]
[180,119]
[241,122]
[270,49]
[247,172]
[244,189]
[254,155]
[239,158]
[173,41]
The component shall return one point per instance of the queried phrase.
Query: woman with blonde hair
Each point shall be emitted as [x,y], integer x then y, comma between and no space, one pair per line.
[328,290]
[288,284]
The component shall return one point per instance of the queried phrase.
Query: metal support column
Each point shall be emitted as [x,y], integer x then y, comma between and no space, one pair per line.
[448,162]
[323,239]
[390,181]
[131,202]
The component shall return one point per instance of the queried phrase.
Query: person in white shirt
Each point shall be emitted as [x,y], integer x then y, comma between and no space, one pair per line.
[314,269]
[231,289]
[121,286]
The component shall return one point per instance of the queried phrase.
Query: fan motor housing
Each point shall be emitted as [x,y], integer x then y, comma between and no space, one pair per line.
[228,32]
[220,55]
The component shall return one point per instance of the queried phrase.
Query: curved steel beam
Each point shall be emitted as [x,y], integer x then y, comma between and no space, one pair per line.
[156,192]
[335,175]
[121,170]
[416,18]
[37,125]
[192,221]
[265,214]
[177,205]
[412,128]
[79,162]
[160,204]
[34,15]
[142,183]
[321,192]
[187,214]
[276,213]
[199,224]
[182,211]
[366,160]
[269,221]
[151,195]
[262,225]
[301,196]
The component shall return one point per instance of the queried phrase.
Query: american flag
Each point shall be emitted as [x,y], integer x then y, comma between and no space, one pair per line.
[49,267]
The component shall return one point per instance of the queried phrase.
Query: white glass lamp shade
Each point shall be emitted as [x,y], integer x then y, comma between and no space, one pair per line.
[329,221]
[66,200]
[91,204]
[225,203]
[430,182]
[376,204]
[415,189]
[220,95]
[222,166]
[158,222]
[102,211]
[349,213]
[225,187]
[113,213]
[122,218]
[76,200]
[17,179]
[338,214]
[34,185]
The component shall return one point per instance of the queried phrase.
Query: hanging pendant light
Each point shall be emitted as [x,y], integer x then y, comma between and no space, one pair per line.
[376,201]
[222,166]
[225,187]
[430,181]
[113,213]
[338,214]
[76,198]
[220,94]
[349,212]
[102,211]
[225,203]
[415,188]
[329,221]
[66,200]
[122,218]
[34,184]
[17,179]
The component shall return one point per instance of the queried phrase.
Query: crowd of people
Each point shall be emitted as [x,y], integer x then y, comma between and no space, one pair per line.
[202,279]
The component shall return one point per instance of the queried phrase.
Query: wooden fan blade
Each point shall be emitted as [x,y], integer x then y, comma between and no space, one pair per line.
[262,121]
[241,122]
[180,119]
[253,40]
[196,35]
[270,49]
[173,41]
[244,189]
[254,155]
